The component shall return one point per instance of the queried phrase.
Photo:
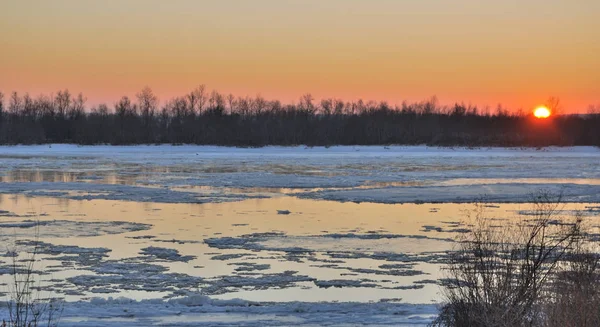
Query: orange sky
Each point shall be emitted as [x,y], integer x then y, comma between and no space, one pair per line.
[514,52]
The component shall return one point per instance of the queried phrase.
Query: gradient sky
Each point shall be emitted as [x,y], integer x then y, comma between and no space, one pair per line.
[517,53]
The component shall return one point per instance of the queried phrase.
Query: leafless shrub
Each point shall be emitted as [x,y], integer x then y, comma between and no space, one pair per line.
[502,273]
[26,307]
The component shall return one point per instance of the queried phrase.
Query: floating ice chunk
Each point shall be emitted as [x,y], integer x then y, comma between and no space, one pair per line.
[131,275]
[343,283]
[69,228]
[227,284]
[495,193]
[230,256]
[250,266]
[96,191]
[166,254]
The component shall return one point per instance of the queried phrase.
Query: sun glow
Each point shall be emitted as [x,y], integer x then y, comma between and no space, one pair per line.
[541,112]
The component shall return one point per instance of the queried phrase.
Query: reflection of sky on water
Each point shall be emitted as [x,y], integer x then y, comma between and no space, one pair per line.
[184,227]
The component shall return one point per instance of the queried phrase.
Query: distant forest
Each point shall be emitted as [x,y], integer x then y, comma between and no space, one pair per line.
[211,118]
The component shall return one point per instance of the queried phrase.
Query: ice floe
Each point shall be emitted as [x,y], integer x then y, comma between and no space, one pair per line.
[67,228]
[200,310]
[166,254]
[495,193]
[93,191]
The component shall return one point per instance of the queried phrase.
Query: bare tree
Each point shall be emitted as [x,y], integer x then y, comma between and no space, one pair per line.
[102,110]
[29,109]
[77,108]
[216,100]
[147,103]
[430,106]
[45,106]
[124,107]
[178,107]
[554,105]
[275,106]
[327,106]
[15,104]
[231,102]
[259,105]
[338,107]
[244,105]
[197,98]
[306,103]
[1,105]
[63,102]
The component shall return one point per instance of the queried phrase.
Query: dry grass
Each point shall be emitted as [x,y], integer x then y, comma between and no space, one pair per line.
[574,297]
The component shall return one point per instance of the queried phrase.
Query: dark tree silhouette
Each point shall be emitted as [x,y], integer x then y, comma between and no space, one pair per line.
[203,117]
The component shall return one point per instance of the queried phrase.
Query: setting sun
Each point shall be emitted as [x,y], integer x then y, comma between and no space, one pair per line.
[541,112]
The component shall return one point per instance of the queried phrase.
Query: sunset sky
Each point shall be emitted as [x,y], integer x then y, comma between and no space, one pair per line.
[517,53]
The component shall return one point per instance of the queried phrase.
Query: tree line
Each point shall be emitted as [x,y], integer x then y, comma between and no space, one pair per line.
[211,118]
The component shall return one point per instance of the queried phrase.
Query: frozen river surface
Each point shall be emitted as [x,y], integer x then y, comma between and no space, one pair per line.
[295,236]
